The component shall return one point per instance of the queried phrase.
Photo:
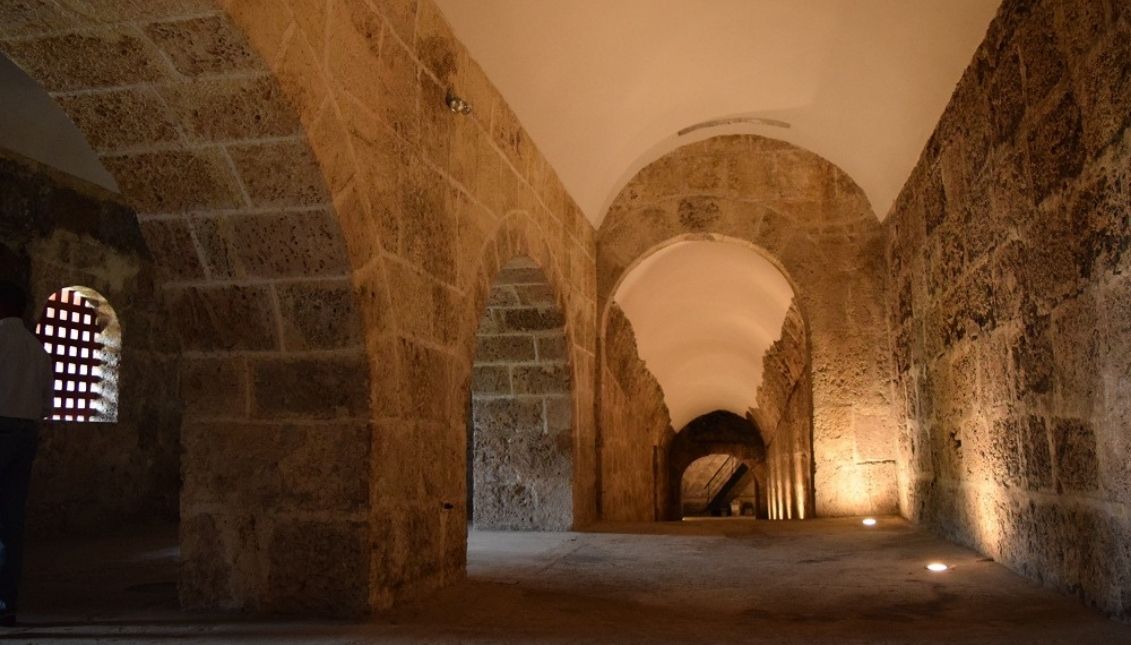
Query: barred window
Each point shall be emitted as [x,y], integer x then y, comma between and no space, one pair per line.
[80,331]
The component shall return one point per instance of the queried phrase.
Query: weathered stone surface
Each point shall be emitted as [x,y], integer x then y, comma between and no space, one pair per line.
[232,109]
[175,181]
[172,238]
[227,158]
[286,244]
[223,318]
[1035,425]
[81,60]
[1055,145]
[318,315]
[522,414]
[1074,444]
[319,567]
[214,387]
[204,45]
[119,119]
[280,174]
[312,388]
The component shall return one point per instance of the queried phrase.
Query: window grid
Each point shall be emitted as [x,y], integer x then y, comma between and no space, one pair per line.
[69,330]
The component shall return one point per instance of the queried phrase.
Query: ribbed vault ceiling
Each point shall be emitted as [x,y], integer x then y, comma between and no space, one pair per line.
[603,86]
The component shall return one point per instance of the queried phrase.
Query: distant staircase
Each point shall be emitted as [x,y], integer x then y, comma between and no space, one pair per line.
[727,482]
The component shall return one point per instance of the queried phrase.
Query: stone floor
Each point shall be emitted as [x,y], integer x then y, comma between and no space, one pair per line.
[712,581]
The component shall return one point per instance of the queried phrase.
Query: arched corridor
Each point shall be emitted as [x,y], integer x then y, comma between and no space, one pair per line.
[365,309]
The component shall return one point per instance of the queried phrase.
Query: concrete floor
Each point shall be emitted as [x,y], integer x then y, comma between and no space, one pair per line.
[713,581]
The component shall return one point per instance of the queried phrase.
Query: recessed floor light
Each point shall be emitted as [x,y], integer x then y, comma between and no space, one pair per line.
[937,567]
[869,521]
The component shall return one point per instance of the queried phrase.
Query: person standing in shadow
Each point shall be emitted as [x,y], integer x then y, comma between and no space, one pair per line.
[26,389]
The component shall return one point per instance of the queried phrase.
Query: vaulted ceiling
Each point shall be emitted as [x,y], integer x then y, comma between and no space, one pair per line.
[604,86]
[704,314]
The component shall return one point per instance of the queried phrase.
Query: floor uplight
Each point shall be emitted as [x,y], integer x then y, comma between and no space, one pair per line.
[937,567]
[869,521]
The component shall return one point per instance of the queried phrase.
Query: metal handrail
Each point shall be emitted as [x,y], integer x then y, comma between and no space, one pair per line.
[729,466]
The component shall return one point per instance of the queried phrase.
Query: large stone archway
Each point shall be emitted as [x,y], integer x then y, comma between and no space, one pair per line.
[812,221]
[257,283]
[318,216]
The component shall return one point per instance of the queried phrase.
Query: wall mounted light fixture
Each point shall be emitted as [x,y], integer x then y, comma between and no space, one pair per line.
[456,104]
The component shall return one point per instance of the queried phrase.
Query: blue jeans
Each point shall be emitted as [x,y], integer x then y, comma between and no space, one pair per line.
[19,440]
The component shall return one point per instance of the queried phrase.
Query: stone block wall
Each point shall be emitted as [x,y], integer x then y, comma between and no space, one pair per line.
[812,221]
[325,232]
[635,429]
[521,408]
[785,417]
[1009,306]
[431,205]
[56,232]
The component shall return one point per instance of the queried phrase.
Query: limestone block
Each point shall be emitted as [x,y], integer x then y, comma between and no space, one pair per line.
[384,370]
[1036,459]
[312,16]
[1105,88]
[499,421]
[1055,145]
[436,123]
[172,238]
[24,18]
[120,119]
[530,320]
[232,108]
[214,387]
[286,244]
[353,52]
[223,318]
[551,348]
[399,87]
[429,227]
[425,382]
[283,173]
[319,567]
[301,467]
[325,387]
[1075,344]
[204,46]
[207,573]
[89,59]
[542,379]
[1032,355]
[505,349]
[1074,447]
[175,181]
[319,315]
[1098,215]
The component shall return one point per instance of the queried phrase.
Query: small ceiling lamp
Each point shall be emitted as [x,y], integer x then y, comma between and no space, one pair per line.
[937,567]
[456,104]
[869,521]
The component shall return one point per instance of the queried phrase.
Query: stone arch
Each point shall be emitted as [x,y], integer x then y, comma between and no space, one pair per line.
[211,155]
[816,225]
[718,432]
[520,236]
[788,469]
[416,192]
[520,433]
